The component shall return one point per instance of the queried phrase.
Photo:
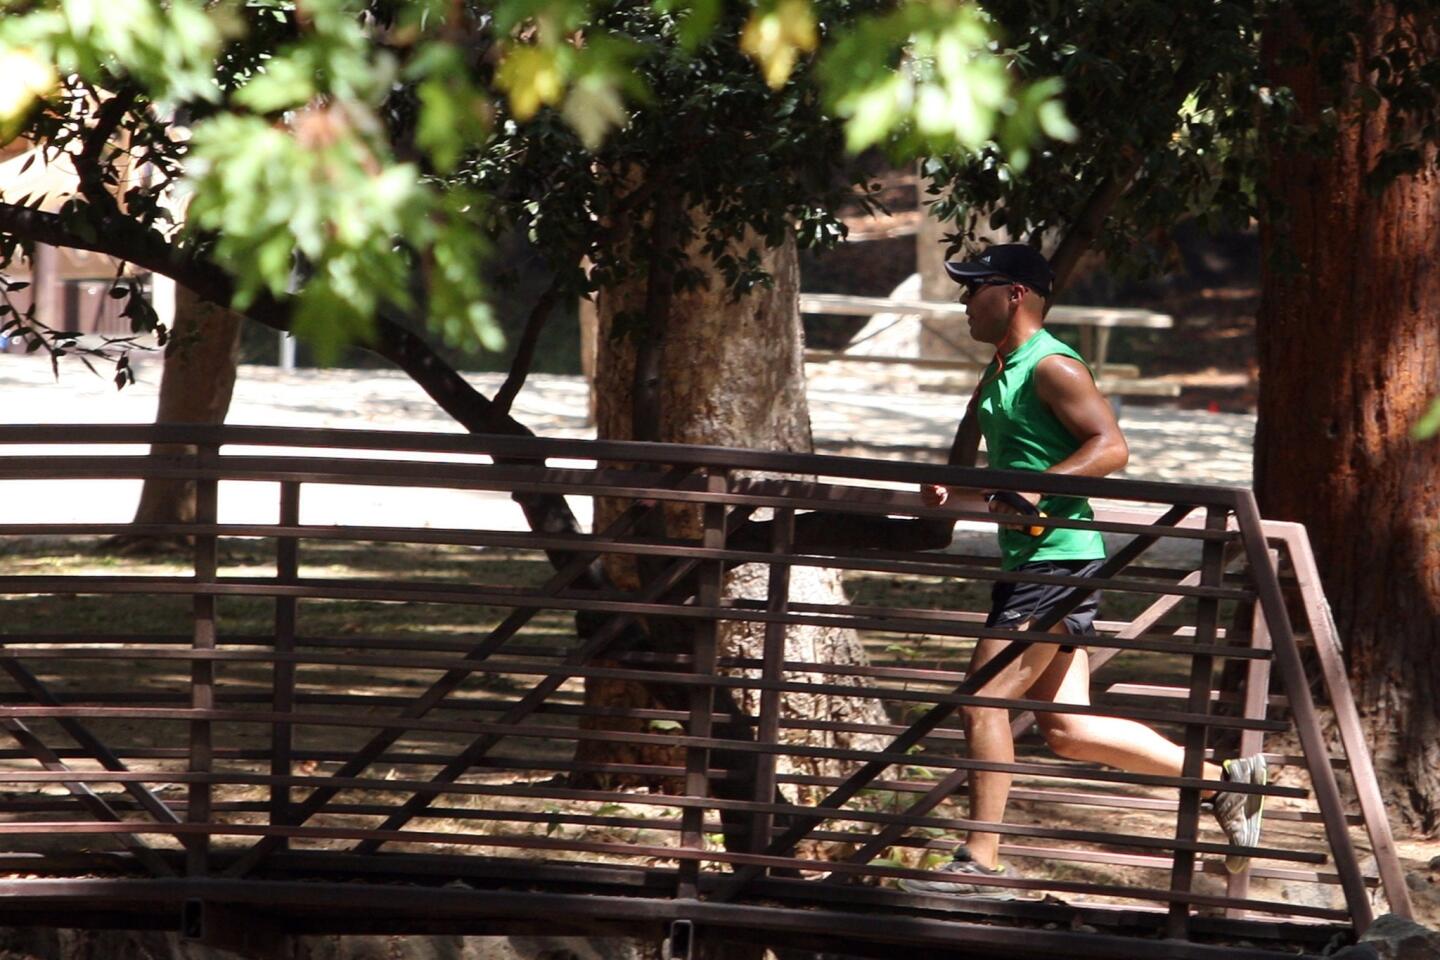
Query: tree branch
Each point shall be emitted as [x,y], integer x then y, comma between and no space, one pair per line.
[1087,224]
[123,238]
[87,163]
[525,350]
[120,237]
[1091,218]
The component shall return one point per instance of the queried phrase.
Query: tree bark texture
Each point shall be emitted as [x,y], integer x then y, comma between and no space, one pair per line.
[731,375]
[196,387]
[1349,354]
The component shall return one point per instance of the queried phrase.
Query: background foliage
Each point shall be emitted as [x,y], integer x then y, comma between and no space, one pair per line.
[365,156]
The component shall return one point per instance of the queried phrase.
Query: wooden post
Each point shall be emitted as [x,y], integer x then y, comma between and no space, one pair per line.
[1347,718]
[46,287]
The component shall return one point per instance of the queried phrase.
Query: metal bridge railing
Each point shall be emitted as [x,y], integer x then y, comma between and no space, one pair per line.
[222,766]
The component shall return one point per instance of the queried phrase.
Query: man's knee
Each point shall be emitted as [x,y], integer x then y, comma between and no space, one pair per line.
[974,717]
[1065,735]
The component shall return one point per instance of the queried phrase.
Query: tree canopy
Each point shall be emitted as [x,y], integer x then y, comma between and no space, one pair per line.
[348,157]
[1172,102]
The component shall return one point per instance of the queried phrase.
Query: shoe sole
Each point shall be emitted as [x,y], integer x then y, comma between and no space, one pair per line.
[1234,862]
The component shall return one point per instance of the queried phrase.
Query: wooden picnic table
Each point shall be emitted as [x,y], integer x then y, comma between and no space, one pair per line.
[1095,323]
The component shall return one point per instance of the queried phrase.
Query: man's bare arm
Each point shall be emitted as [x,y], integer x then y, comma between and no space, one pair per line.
[1067,388]
[964,451]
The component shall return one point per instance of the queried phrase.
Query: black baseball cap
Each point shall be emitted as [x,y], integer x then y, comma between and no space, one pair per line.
[1013,261]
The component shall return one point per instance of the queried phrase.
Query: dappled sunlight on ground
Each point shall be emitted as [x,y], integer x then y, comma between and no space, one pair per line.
[875,414]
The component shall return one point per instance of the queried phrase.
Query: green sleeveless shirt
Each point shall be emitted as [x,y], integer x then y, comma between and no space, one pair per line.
[1022,434]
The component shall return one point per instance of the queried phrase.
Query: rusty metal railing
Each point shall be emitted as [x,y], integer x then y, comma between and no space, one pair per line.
[220,767]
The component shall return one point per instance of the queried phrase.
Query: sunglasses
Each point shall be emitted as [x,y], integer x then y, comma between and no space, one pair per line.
[971,287]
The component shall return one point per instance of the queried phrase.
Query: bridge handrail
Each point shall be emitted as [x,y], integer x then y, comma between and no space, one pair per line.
[1221,522]
[658,454]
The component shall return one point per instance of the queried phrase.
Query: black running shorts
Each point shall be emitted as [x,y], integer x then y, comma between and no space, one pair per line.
[1012,604]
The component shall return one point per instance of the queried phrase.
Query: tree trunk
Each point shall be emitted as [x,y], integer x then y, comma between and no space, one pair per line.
[1349,353]
[731,375]
[196,387]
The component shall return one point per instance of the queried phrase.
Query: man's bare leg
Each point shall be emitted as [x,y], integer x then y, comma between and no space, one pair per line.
[987,731]
[1136,748]
[1044,673]
[1122,744]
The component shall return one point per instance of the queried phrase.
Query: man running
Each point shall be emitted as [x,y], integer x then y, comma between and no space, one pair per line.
[1039,410]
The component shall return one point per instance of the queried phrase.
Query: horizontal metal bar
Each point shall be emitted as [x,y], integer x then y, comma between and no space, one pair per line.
[1055,770]
[1019,795]
[1104,857]
[1106,631]
[437,904]
[663,825]
[517,668]
[591,881]
[531,842]
[471,596]
[617,451]
[829,498]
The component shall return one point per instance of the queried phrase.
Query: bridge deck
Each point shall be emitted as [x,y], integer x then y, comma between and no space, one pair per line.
[439,747]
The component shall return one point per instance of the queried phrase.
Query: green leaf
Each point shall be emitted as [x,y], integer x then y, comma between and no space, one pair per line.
[775,36]
[531,77]
[1428,425]
[28,77]
[437,131]
[698,23]
[593,109]
[284,83]
[872,113]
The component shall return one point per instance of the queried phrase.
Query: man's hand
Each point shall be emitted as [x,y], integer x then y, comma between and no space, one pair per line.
[933,495]
[998,504]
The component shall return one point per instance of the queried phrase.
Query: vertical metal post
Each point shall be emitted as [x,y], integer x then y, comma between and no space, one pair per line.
[287,572]
[702,697]
[202,672]
[1302,707]
[1187,820]
[1326,640]
[777,601]
[1257,701]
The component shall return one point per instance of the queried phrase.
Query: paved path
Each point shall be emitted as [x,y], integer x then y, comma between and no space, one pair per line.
[853,413]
